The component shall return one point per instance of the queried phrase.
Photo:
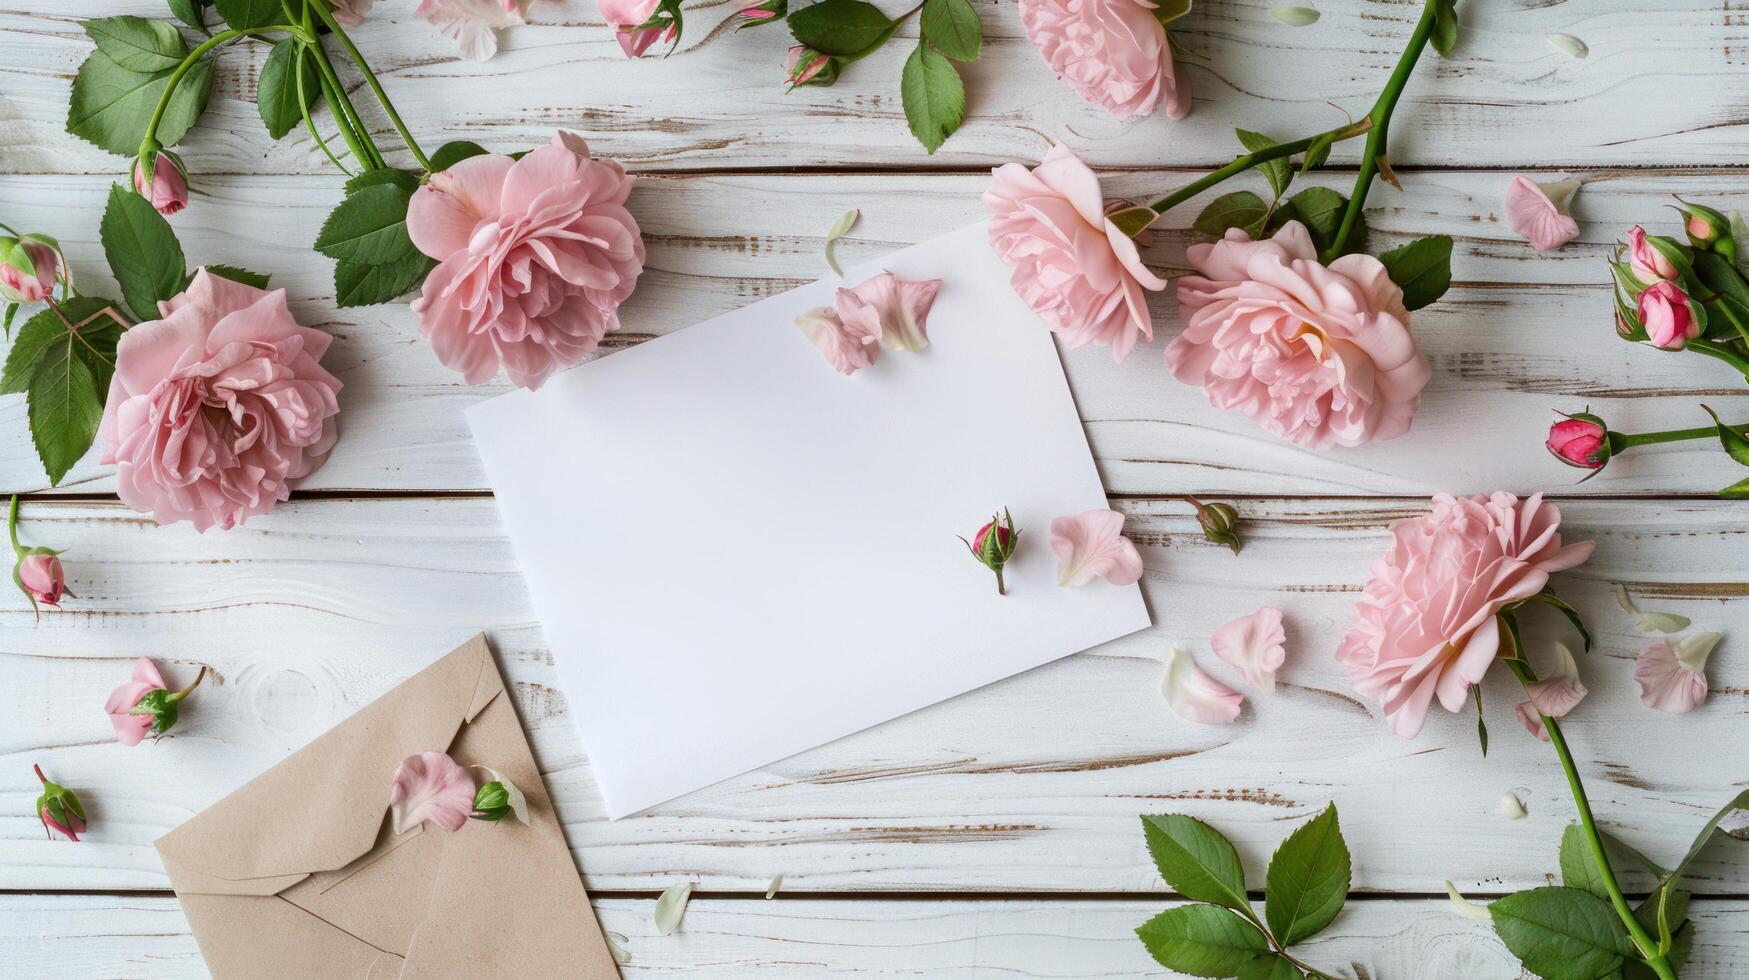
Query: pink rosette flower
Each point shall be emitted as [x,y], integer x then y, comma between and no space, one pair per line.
[430,786]
[1321,355]
[536,255]
[1072,266]
[1113,52]
[219,407]
[1426,624]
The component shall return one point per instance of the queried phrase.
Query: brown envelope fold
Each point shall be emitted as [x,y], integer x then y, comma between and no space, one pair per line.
[296,874]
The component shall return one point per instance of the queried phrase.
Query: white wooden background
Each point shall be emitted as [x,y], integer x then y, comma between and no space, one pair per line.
[994,835]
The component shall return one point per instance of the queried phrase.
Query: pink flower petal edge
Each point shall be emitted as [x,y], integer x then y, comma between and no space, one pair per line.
[430,786]
[1092,545]
[885,311]
[131,728]
[1197,697]
[1254,645]
[1672,676]
[1556,694]
[1539,212]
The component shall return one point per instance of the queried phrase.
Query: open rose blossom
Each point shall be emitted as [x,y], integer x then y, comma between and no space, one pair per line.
[1072,266]
[219,407]
[1426,624]
[535,257]
[1114,52]
[430,786]
[1320,355]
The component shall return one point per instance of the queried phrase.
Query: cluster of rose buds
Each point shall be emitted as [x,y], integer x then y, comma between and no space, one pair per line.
[1667,292]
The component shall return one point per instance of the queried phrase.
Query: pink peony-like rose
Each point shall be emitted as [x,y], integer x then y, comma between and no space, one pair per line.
[1072,266]
[1321,355]
[1114,52]
[536,256]
[218,407]
[1426,624]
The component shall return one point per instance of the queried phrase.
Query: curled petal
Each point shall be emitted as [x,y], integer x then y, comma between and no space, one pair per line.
[1555,695]
[1253,644]
[894,311]
[1196,696]
[1092,545]
[1662,622]
[1539,212]
[844,345]
[430,786]
[1666,682]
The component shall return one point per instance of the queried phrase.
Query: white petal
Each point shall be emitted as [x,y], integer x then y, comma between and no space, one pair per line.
[1660,622]
[1196,696]
[1295,16]
[1465,907]
[1692,651]
[1512,807]
[1568,45]
[671,907]
[1622,600]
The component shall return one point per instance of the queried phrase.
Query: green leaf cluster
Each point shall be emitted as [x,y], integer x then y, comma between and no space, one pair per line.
[1219,934]
[366,235]
[119,85]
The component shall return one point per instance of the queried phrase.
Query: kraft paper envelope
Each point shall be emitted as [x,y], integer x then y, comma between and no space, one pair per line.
[737,553]
[297,874]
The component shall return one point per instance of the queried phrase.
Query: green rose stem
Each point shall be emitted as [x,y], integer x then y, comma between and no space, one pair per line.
[310,123]
[1620,442]
[150,142]
[370,79]
[1649,949]
[1721,352]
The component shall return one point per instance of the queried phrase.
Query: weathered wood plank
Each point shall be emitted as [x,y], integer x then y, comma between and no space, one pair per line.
[1661,86]
[146,936]
[1519,337]
[1032,784]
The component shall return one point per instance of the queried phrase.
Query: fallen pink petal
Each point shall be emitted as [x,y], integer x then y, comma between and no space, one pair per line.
[1195,696]
[892,310]
[430,786]
[844,345]
[1538,212]
[1557,693]
[1254,645]
[1092,545]
[1672,678]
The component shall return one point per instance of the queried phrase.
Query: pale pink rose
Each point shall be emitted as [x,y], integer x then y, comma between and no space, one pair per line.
[844,345]
[430,786]
[219,407]
[627,13]
[169,191]
[1195,696]
[536,256]
[894,311]
[1669,320]
[1672,676]
[1647,263]
[1073,267]
[1558,692]
[42,578]
[1253,644]
[1092,545]
[473,24]
[350,13]
[1539,212]
[1426,624]
[1321,355]
[130,728]
[1113,52]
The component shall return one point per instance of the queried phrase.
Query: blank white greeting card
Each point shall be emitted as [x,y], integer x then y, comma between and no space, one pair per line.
[738,553]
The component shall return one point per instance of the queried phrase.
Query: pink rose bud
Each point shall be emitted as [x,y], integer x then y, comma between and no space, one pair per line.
[1667,316]
[59,810]
[765,12]
[993,545]
[803,65]
[1220,523]
[29,267]
[635,42]
[168,192]
[1580,440]
[1708,229]
[144,705]
[36,571]
[1647,260]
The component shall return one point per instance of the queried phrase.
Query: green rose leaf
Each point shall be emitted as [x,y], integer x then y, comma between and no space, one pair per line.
[64,406]
[191,12]
[1276,171]
[1705,837]
[369,226]
[1737,445]
[953,28]
[450,154]
[111,105]
[1269,968]
[934,96]
[142,251]
[138,44]
[1736,491]
[1240,209]
[244,276]
[1196,861]
[276,95]
[1321,209]
[358,284]
[1421,268]
[1728,310]
[1578,870]
[244,14]
[1445,28]
[847,28]
[1202,940]
[1561,933]
[1307,880]
[98,330]
[382,175]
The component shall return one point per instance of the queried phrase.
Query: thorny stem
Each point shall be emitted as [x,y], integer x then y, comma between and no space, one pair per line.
[370,79]
[1249,160]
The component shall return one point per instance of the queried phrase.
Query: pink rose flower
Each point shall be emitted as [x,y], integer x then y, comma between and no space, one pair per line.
[473,24]
[1669,321]
[1426,624]
[1321,355]
[430,786]
[536,256]
[169,191]
[1114,53]
[1539,212]
[1580,440]
[219,407]
[350,13]
[29,268]
[1647,263]
[1073,267]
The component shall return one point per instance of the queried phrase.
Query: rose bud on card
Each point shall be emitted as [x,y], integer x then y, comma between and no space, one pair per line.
[994,544]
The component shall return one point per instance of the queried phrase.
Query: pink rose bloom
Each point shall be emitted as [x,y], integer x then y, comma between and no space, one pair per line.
[129,727]
[1114,52]
[219,407]
[1320,355]
[169,191]
[1669,322]
[1073,267]
[350,13]
[1426,624]
[536,256]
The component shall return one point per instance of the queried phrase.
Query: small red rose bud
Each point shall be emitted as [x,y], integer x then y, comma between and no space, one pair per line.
[994,544]
[1580,440]
[59,810]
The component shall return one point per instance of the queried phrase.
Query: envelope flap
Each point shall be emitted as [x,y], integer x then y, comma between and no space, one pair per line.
[323,806]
